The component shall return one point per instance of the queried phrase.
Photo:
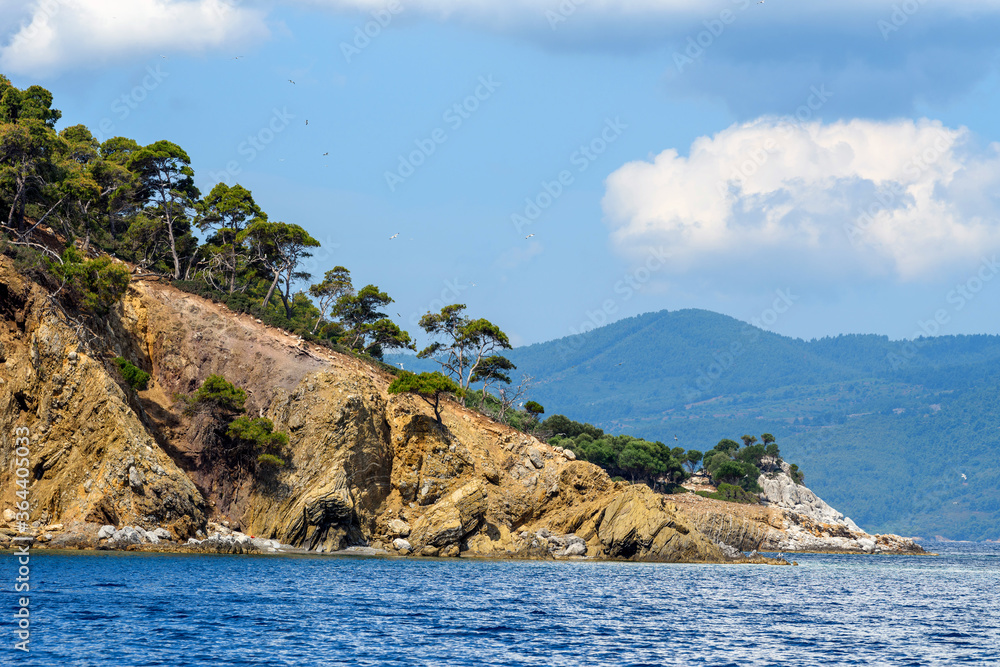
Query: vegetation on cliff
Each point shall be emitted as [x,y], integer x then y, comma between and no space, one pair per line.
[247,444]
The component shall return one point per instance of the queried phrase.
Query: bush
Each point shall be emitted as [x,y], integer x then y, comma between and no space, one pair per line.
[731,493]
[96,284]
[136,378]
[217,392]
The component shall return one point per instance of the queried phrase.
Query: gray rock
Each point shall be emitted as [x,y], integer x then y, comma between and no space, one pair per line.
[780,490]
[163,534]
[401,545]
[731,552]
[123,537]
[569,454]
[105,532]
[150,536]
[399,528]
[576,549]
[135,479]
[191,540]
[536,458]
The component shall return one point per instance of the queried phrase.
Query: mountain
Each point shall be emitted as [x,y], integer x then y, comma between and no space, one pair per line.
[884,430]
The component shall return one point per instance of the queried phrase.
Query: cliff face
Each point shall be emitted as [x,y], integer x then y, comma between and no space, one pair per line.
[91,457]
[365,467]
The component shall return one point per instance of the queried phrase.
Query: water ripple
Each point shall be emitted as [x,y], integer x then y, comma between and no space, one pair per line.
[179,610]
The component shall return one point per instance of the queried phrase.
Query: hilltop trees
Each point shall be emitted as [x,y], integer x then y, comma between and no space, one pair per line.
[140,203]
[336,284]
[620,455]
[466,344]
[167,191]
[728,463]
[225,213]
[428,386]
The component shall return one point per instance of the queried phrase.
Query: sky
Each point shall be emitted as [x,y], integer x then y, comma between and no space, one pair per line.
[815,168]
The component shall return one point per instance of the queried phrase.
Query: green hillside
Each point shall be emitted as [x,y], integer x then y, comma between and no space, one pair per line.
[884,430]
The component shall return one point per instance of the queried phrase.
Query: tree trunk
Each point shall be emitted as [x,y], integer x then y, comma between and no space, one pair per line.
[270,291]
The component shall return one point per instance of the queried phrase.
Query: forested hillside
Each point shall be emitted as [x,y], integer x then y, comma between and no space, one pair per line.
[883,430]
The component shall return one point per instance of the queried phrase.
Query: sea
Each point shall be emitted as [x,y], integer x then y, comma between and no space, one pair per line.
[113,608]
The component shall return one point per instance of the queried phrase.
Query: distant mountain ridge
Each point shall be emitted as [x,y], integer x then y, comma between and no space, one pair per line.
[883,429]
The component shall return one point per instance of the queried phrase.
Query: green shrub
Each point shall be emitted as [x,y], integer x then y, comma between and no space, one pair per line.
[731,493]
[270,461]
[136,378]
[96,284]
[217,392]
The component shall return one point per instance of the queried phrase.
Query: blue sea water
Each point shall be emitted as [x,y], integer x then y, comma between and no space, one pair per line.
[108,608]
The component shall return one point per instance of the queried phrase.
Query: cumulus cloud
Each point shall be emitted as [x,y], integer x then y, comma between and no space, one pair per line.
[52,35]
[846,200]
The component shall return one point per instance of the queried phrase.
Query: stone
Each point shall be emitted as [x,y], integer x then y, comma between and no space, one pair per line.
[192,540]
[9,515]
[399,544]
[429,551]
[126,536]
[135,479]
[163,534]
[399,528]
[536,457]
[150,537]
[576,549]
[105,532]
[569,454]
[451,552]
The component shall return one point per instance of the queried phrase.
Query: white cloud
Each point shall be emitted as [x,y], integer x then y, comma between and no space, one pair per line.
[845,200]
[54,35]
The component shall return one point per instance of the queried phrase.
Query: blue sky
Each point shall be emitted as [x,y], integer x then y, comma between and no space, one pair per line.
[665,155]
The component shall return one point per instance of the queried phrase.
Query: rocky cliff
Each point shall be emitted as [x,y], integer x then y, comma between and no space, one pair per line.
[792,518]
[365,468]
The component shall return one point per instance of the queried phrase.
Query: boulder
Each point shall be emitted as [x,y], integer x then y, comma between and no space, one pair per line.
[452,518]
[399,528]
[399,544]
[536,458]
[135,479]
[9,515]
[126,536]
[163,534]
[105,532]
[569,454]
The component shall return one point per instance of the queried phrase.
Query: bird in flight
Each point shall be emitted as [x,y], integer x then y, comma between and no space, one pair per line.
[307,121]
[964,477]
[529,236]
[326,153]
[291,82]
[394,236]
[675,437]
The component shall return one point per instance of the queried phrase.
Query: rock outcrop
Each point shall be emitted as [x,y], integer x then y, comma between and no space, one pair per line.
[367,471]
[781,491]
[791,518]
